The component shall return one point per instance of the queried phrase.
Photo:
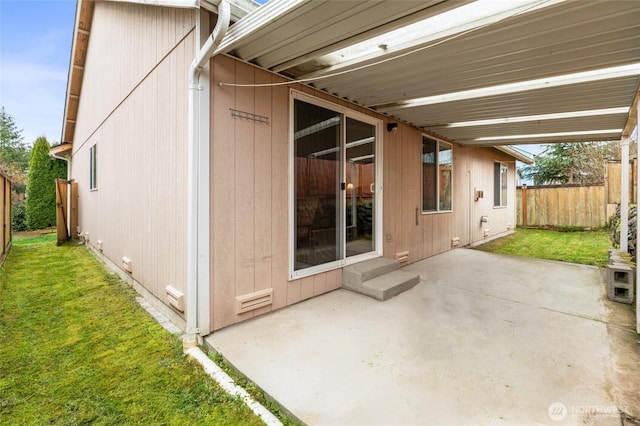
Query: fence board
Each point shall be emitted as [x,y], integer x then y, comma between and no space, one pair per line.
[557,206]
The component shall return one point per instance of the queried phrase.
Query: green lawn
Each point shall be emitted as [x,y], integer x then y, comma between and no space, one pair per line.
[587,247]
[76,348]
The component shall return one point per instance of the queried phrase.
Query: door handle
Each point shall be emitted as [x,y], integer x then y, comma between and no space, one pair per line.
[372,188]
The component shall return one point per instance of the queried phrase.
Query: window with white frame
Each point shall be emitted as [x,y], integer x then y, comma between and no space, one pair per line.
[500,173]
[93,157]
[437,173]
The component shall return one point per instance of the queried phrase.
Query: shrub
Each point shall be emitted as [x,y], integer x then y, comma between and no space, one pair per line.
[18,216]
[41,187]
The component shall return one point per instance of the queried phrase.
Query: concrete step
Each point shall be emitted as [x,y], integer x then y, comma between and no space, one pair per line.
[354,275]
[388,285]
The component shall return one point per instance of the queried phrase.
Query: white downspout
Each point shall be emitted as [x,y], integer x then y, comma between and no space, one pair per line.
[204,54]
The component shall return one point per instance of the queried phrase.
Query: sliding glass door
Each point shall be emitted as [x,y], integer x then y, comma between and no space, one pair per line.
[334,194]
[360,174]
[317,185]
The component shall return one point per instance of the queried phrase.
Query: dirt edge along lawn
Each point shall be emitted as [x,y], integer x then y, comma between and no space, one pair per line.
[75,348]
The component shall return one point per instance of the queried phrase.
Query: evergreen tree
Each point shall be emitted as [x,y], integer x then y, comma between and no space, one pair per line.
[14,154]
[41,188]
[562,163]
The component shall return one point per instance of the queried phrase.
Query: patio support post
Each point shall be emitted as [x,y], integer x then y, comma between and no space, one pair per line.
[624,196]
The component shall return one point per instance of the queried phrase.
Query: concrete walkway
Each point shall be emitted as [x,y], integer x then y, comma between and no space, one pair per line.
[483,339]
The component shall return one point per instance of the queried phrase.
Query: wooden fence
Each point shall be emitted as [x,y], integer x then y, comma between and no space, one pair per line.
[5,218]
[588,206]
[562,205]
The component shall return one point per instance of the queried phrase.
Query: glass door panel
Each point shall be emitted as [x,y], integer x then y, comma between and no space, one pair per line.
[360,174]
[317,185]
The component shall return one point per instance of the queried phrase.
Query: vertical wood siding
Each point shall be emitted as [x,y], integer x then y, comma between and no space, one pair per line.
[134,107]
[250,195]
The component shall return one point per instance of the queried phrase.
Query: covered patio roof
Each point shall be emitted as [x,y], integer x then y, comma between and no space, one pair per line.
[483,73]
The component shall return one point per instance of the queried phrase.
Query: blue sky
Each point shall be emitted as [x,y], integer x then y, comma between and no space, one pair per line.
[35,44]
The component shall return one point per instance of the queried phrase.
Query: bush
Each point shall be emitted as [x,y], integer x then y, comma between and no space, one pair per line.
[41,186]
[614,229]
[18,216]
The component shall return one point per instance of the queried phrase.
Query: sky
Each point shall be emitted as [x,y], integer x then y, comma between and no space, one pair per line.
[35,46]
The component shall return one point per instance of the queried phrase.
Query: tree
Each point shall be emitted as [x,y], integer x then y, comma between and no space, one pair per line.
[14,154]
[562,163]
[41,187]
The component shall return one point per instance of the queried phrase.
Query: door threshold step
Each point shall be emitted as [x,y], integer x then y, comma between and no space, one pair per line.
[385,286]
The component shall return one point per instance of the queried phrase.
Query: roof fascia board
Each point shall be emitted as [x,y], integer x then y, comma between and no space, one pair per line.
[81,6]
[515,154]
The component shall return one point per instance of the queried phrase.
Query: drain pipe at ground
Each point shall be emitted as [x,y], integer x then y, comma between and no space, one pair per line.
[204,54]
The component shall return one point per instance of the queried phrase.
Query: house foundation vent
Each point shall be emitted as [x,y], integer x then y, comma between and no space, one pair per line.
[127,264]
[175,298]
[249,302]
[402,256]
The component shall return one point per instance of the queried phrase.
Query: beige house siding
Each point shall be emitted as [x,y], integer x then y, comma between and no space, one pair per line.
[134,108]
[250,194]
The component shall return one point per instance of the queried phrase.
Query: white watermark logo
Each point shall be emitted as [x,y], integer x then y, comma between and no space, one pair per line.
[557,411]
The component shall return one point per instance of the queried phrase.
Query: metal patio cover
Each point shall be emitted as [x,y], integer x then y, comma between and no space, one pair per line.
[544,40]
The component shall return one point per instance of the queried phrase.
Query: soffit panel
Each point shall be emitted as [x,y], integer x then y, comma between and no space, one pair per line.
[560,39]
[523,50]
[579,97]
[534,127]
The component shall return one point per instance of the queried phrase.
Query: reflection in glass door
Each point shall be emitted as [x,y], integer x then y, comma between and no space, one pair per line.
[360,187]
[317,185]
[334,187]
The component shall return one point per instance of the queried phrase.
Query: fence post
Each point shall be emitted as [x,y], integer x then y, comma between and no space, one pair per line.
[524,205]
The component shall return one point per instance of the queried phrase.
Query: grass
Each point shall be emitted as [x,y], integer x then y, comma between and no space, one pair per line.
[76,348]
[587,248]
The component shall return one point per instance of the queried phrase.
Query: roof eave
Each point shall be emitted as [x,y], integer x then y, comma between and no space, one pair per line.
[507,149]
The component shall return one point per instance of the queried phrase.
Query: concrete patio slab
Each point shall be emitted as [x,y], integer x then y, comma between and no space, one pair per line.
[482,339]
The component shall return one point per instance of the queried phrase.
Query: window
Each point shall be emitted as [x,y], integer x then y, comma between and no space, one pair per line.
[500,172]
[93,183]
[437,169]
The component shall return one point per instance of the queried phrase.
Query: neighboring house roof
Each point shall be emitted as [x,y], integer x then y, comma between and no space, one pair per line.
[524,68]
[562,71]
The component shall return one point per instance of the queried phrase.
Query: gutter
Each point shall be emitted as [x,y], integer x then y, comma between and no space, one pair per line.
[190,338]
